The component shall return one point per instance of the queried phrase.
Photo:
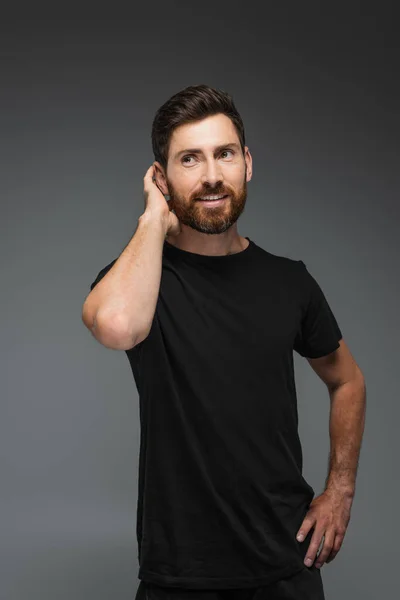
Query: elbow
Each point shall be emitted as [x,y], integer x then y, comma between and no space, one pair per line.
[110,332]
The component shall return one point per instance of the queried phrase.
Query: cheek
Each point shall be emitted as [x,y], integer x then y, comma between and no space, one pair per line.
[235,174]
[186,183]
[237,182]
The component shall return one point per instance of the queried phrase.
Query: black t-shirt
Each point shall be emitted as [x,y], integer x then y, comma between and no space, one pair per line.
[221,493]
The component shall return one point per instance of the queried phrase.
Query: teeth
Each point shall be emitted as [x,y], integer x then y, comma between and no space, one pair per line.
[212,197]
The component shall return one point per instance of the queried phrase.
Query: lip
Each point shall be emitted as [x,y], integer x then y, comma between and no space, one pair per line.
[214,202]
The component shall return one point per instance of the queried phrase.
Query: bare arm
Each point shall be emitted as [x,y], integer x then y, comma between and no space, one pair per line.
[120,309]
[347,391]
[329,512]
[346,426]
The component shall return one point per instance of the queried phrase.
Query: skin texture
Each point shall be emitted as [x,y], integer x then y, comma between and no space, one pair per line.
[204,229]
[329,513]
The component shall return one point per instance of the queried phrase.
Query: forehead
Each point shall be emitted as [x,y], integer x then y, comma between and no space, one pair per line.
[214,130]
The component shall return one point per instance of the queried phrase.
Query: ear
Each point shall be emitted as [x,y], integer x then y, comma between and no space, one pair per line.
[160,178]
[249,163]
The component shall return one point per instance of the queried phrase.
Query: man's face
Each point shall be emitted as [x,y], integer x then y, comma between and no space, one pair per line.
[208,171]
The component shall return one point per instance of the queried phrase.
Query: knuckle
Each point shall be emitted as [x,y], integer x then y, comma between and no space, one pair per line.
[325,519]
[341,531]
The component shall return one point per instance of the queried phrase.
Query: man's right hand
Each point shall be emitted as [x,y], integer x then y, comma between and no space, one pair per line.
[156,206]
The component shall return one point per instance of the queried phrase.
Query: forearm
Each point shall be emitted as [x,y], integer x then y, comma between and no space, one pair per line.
[122,305]
[346,428]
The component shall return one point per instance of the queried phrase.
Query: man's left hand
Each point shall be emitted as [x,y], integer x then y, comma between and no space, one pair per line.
[329,514]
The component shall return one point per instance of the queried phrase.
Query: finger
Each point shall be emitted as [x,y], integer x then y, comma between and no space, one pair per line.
[149,172]
[331,557]
[337,544]
[326,549]
[149,175]
[313,547]
[306,526]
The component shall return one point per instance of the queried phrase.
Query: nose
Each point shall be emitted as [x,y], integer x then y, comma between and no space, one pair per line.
[212,176]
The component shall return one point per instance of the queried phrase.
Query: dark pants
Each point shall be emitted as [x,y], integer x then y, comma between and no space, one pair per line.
[305,585]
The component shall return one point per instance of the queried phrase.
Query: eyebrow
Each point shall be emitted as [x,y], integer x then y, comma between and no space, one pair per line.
[199,150]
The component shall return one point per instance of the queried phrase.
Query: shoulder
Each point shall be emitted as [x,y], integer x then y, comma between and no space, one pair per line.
[279,263]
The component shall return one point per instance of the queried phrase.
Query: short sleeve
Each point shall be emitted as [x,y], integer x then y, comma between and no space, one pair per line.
[318,333]
[101,274]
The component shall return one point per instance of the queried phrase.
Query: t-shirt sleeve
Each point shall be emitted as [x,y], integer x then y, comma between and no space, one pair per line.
[318,333]
[101,274]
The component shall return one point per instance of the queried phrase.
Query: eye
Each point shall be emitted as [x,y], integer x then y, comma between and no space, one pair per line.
[187,156]
[224,151]
[190,155]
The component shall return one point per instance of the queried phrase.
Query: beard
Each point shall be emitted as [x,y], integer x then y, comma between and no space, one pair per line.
[209,219]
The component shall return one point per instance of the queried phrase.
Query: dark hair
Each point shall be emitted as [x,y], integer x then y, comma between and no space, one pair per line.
[193,103]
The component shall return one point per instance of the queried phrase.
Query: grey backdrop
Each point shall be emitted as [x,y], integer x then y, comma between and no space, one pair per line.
[317,89]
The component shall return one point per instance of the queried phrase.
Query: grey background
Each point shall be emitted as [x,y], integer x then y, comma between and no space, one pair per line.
[316,86]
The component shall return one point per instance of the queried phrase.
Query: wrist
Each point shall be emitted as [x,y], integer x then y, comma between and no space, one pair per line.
[345,490]
[155,221]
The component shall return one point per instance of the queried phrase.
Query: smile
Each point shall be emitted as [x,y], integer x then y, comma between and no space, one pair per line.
[216,202]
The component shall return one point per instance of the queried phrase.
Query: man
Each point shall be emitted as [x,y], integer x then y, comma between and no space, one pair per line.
[209,321]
